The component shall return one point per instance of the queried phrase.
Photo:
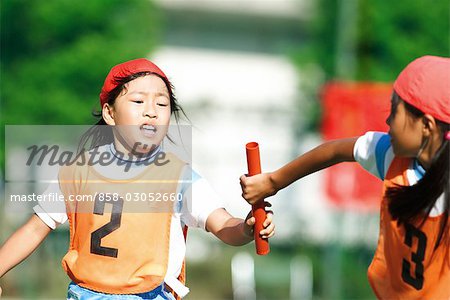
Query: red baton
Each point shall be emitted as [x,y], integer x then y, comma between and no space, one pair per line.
[258,210]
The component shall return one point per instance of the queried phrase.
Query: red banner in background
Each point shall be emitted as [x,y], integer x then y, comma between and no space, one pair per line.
[351,109]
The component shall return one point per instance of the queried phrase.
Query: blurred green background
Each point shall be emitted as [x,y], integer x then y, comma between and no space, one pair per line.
[56,53]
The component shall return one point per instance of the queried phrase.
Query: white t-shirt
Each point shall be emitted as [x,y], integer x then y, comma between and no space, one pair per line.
[373,151]
[198,202]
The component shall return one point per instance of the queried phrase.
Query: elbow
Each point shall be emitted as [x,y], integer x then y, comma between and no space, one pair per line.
[340,150]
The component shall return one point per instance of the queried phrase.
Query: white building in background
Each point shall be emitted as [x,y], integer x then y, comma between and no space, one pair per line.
[228,63]
[233,98]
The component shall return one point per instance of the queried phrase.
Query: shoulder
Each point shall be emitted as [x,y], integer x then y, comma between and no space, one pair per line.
[169,158]
[371,140]
[373,151]
[188,178]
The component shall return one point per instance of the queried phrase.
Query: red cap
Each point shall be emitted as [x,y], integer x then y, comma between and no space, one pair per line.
[425,84]
[126,69]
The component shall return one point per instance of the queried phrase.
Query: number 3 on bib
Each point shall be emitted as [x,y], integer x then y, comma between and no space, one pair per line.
[416,258]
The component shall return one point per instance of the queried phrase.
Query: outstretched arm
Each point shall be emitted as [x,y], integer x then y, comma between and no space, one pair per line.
[258,187]
[22,243]
[236,231]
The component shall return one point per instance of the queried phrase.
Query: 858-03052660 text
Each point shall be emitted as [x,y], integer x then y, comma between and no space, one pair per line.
[135,197]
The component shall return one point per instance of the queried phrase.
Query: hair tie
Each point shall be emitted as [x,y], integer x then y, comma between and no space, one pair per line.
[447,136]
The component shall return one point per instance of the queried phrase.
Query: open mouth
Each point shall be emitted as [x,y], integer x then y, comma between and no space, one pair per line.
[148,130]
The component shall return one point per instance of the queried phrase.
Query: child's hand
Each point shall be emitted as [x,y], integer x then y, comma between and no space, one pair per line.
[269,227]
[258,187]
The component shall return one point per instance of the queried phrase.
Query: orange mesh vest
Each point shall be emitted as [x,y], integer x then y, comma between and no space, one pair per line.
[119,241]
[406,265]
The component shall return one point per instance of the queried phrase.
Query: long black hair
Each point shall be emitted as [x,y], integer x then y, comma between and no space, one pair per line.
[411,204]
[100,134]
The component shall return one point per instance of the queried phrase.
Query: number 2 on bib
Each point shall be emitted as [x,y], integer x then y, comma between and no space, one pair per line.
[114,224]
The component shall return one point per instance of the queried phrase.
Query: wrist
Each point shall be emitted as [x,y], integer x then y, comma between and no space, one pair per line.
[274,185]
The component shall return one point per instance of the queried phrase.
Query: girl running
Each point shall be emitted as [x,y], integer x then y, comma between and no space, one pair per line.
[121,245]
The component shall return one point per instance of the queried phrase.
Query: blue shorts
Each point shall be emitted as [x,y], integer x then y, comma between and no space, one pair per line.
[76,292]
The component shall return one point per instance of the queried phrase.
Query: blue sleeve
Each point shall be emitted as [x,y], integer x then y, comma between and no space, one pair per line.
[383,145]
[373,151]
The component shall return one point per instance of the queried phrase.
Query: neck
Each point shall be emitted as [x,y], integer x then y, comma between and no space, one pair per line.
[123,153]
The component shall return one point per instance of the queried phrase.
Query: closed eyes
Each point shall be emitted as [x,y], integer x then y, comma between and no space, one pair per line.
[161,104]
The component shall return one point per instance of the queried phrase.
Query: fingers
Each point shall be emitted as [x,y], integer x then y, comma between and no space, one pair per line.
[251,221]
[268,232]
[243,179]
[243,183]
[254,188]
[269,218]
[269,227]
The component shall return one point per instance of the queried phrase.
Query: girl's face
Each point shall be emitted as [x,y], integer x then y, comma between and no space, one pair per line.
[141,114]
[405,130]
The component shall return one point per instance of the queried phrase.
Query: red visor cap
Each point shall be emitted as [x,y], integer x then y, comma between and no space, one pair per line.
[126,69]
[425,84]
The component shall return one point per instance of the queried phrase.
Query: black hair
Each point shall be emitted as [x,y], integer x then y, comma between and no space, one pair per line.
[99,134]
[412,204]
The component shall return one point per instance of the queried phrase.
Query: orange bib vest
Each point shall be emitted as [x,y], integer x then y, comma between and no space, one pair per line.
[406,265]
[119,241]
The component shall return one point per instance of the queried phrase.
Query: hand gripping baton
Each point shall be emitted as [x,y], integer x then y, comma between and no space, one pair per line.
[258,209]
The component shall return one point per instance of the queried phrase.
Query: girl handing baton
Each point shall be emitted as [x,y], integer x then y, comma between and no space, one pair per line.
[412,259]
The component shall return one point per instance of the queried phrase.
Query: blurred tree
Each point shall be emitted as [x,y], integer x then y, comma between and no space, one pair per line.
[370,41]
[55,55]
